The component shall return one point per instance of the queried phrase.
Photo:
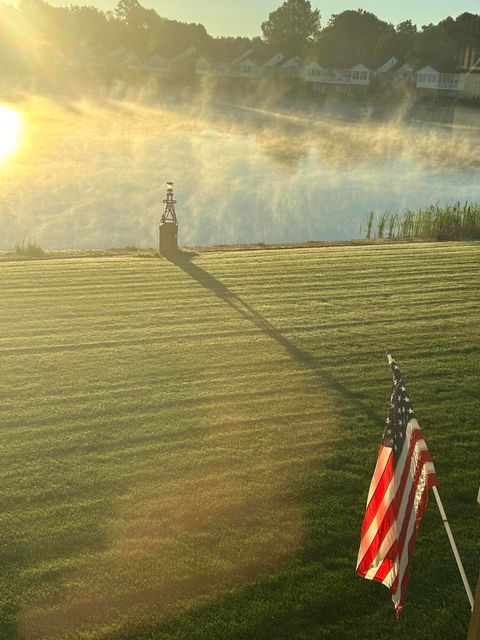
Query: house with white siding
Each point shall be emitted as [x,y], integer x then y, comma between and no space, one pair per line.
[241,57]
[361,75]
[385,73]
[404,76]
[271,62]
[244,66]
[248,68]
[312,72]
[291,68]
[433,83]
[233,69]
[388,66]
[255,64]
[326,80]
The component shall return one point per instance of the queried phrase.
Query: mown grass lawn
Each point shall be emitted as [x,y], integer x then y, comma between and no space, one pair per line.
[186,448]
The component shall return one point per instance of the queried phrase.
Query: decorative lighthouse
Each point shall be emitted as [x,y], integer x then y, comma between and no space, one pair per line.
[168,230]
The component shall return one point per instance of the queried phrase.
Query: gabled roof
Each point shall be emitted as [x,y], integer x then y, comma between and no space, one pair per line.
[242,56]
[266,58]
[291,62]
[248,61]
[388,65]
[274,60]
[427,69]
[361,67]
[405,68]
[184,55]
[257,58]
[475,68]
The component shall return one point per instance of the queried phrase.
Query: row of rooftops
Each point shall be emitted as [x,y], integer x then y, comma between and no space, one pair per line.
[255,59]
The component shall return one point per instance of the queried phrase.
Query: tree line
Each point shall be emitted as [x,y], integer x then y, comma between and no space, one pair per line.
[295,28]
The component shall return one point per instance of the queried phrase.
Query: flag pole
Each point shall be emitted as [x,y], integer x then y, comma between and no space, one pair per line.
[454,546]
[474,628]
[449,531]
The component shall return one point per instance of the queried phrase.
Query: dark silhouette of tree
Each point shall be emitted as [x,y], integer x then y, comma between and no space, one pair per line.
[133,15]
[434,46]
[464,31]
[292,27]
[35,36]
[399,43]
[352,37]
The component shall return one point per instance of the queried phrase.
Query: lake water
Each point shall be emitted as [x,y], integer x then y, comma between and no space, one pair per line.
[90,173]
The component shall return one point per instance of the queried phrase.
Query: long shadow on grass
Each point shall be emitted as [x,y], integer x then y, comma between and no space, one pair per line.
[183,260]
[13,558]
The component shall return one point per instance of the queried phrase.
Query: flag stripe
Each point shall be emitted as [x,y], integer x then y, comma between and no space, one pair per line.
[411,545]
[377,510]
[382,460]
[406,512]
[395,518]
[368,531]
[373,537]
[397,497]
[408,533]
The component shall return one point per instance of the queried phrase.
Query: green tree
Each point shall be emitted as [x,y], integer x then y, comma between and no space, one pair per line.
[292,27]
[464,31]
[352,37]
[407,29]
[436,47]
[134,15]
[399,42]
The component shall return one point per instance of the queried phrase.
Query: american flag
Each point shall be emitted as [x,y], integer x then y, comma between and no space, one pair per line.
[397,498]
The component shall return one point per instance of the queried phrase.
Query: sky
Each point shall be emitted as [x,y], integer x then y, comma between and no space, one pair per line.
[244,17]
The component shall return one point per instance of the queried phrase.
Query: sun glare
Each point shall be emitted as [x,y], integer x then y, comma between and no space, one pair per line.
[11,126]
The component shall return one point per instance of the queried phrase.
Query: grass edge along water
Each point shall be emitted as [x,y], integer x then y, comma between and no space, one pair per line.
[455,221]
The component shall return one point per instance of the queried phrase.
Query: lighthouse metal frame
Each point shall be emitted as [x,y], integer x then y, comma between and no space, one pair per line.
[169,214]
[168,227]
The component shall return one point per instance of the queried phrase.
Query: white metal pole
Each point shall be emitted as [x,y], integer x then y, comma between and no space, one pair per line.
[454,546]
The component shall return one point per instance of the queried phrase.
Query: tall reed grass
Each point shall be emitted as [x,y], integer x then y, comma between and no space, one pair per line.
[29,249]
[454,221]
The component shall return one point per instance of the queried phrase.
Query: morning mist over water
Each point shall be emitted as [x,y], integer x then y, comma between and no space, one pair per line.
[90,173]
